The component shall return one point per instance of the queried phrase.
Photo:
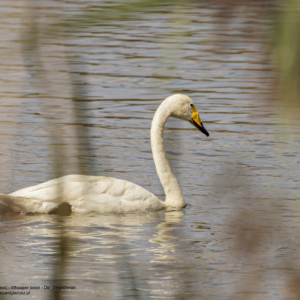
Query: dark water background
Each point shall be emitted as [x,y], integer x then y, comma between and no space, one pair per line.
[239,234]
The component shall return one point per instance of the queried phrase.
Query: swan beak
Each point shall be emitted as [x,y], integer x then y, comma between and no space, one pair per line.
[197,122]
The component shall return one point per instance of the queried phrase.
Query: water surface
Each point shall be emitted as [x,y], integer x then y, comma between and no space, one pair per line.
[239,232]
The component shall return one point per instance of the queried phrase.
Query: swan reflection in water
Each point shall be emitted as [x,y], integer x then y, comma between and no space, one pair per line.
[112,250]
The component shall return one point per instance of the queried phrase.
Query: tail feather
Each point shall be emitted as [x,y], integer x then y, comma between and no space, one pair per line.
[21,204]
[4,209]
[14,203]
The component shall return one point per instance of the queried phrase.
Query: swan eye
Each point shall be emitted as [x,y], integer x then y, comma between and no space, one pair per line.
[191,105]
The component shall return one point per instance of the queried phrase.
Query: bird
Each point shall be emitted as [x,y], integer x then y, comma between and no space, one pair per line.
[100,194]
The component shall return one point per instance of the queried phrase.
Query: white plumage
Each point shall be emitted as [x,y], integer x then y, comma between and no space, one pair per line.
[111,195]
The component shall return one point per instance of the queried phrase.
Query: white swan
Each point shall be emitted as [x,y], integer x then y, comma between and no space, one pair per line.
[104,194]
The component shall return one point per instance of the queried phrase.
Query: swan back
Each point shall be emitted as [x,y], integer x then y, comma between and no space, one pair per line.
[85,194]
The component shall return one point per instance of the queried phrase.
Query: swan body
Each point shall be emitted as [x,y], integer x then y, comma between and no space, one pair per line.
[110,195]
[84,194]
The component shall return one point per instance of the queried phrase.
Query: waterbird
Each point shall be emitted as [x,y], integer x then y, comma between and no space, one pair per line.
[83,194]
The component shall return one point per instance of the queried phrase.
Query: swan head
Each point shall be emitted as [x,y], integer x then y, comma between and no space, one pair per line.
[182,107]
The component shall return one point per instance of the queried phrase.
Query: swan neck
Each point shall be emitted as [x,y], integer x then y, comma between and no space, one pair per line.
[174,197]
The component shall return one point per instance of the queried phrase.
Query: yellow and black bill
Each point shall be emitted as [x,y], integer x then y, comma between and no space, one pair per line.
[199,127]
[197,122]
